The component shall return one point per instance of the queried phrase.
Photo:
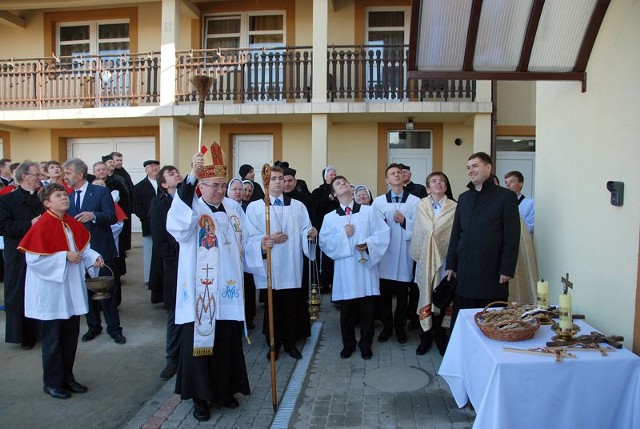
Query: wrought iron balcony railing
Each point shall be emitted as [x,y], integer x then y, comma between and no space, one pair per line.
[80,81]
[380,73]
[355,73]
[247,75]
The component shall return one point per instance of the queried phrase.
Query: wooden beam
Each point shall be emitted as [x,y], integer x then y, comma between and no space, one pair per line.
[488,75]
[414,31]
[530,35]
[590,35]
[11,20]
[472,35]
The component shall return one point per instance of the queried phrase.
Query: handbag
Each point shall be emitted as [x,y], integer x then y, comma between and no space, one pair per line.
[443,293]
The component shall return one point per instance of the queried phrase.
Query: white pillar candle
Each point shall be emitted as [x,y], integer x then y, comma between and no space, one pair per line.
[566,318]
[543,294]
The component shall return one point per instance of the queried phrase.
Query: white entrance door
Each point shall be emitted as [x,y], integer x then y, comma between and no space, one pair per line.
[255,150]
[419,160]
[134,150]
[524,162]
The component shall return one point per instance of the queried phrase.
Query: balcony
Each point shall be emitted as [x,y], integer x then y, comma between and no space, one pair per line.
[78,82]
[247,75]
[354,74]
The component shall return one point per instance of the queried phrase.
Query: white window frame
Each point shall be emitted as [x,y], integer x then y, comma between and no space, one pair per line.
[405,29]
[244,27]
[93,34]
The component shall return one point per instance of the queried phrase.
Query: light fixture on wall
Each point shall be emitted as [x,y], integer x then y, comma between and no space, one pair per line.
[409,125]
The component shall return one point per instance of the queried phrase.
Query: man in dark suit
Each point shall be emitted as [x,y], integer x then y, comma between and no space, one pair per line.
[118,173]
[93,206]
[413,188]
[143,193]
[166,248]
[18,211]
[5,172]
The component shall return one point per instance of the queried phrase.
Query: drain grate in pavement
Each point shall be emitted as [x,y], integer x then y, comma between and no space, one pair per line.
[397,379]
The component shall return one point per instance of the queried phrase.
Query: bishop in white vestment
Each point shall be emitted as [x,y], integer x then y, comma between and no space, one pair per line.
[209,296]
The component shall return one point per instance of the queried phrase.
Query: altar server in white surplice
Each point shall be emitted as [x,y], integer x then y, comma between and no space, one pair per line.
[57,254]
[209,296]
[290,230]
[355,237]
[398,207]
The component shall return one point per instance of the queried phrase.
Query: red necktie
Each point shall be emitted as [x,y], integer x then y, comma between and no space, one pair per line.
[347,210]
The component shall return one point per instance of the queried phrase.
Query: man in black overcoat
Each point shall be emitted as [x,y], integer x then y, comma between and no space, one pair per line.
[483,249]
[165,250]
[143,193]
[18,211]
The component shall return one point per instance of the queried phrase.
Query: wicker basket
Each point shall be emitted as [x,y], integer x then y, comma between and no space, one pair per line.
[494,331]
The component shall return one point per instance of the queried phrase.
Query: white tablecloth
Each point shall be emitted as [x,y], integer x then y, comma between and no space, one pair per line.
[513,390]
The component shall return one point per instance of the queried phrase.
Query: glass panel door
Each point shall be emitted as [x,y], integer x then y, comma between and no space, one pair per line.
[386,34]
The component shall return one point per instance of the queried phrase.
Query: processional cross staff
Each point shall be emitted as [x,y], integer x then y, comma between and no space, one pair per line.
[266,177]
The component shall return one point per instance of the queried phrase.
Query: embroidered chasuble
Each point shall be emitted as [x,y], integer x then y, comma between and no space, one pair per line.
[210,272]
[428,248]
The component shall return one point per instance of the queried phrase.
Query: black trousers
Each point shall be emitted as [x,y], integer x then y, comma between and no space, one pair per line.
[388,288]
[108,307]
[249,297]
[412,306]
[174,337]
[461,302]
[285,318]
[350,310]
[59,345]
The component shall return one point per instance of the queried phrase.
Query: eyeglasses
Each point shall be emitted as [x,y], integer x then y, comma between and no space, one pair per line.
[214,186]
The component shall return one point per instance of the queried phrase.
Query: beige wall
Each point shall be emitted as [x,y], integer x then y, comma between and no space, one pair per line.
[454,162]
[149,24]
[584,140]
[25,42]
[353,151]
[516,103]
[304,23]
[341,22]
[296,149]
[34,145]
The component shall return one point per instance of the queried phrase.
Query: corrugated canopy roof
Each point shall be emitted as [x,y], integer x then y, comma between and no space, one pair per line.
[503,39]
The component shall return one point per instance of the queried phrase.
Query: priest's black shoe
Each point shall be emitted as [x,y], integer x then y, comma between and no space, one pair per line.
[346,353]
[90,335]
[384,335]
[27,346]
[119,339]
[76,387]
[232,403]
[56,392]
[294,352]
[401,335]
[201,410]
[423,347]
[366,354]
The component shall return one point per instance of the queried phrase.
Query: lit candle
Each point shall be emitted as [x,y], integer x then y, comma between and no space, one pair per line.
[566,318]
[543,294]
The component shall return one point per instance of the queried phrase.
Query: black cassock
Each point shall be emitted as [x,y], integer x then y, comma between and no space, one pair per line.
[17,209]
[217,377]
